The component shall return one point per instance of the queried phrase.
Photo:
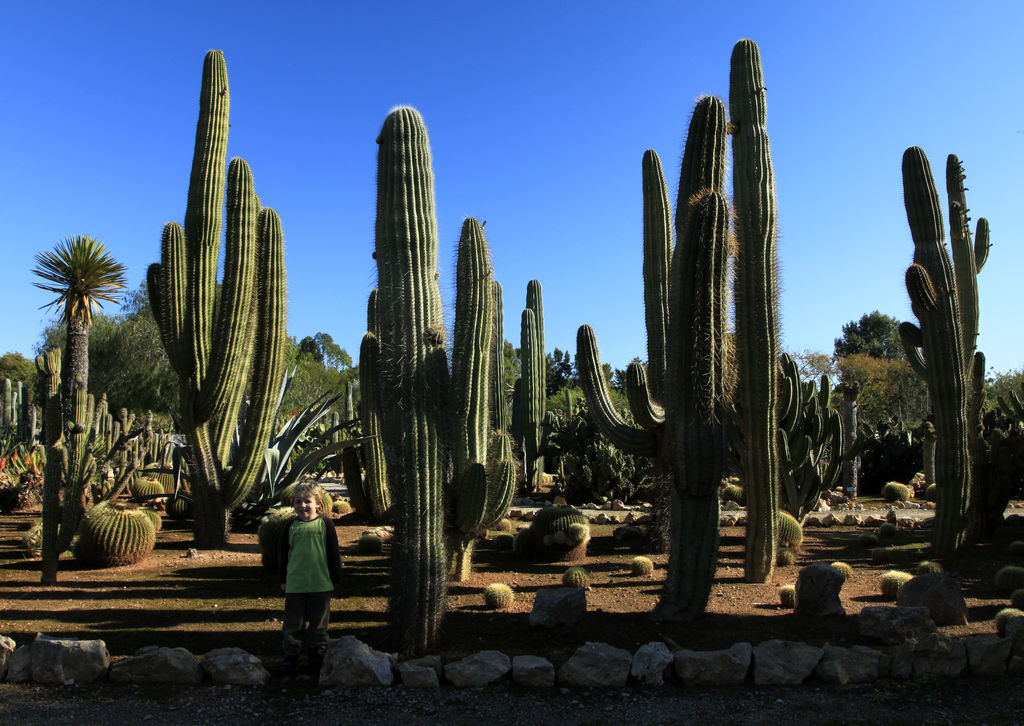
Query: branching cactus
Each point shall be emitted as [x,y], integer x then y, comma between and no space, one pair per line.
[683,430]
[944,298]
[435,426]
[222,351]
[757,306]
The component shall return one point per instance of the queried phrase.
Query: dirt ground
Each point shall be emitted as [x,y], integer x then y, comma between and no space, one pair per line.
[208,599]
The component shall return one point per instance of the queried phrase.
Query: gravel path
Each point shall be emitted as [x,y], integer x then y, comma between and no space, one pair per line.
[958,701]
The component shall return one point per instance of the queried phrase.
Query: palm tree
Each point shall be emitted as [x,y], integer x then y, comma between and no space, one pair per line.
[83,275]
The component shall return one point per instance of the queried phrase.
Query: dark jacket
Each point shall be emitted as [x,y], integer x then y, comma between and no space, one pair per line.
[330,545]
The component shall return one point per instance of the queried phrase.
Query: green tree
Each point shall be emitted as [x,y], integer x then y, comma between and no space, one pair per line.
[1000,384]
[17,367]
[814,364]
[83,275]
[560,371]
[887,388]
[320,367]
[875,334]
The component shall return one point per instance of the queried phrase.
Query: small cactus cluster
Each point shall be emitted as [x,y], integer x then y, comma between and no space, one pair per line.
[787,596]
[890,583]
[556,533]
[894,491]
[790,533]
[1009,578]
[576,577]
[112,535]
[498,596]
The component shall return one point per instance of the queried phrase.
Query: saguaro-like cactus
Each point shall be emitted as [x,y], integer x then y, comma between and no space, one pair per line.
[372,498]
[221,352]
[533,389]
[684,431]
[757,306]
[944,297]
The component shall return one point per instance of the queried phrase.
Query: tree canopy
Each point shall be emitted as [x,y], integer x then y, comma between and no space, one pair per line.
[875,334]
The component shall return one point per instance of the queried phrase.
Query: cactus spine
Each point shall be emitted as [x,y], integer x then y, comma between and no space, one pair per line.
[757,306]
[685,430]
[944,298]
[219,353]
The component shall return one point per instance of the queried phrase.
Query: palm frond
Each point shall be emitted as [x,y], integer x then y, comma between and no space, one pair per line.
[83,275]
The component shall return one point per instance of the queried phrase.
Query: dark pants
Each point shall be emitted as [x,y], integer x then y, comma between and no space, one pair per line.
[306,615]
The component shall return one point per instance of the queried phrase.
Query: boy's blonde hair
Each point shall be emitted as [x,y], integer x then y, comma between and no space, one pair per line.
[308,489]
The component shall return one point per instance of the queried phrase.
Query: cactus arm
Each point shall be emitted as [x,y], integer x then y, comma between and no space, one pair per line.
[657,257]
[910,336]
[499,406]
[167,283]
[981,244]
[757,325]
[608,420]
[647,413]
[231,352]
[377,494]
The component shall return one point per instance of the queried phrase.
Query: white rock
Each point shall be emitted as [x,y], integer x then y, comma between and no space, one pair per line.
[418,676]
[988,654]
[857,664]
[158,665]
[235,667]
[59,661]
[533,671]
[784,662]
[650,662]
[479,669]
[19,665]
[714,667]
[6,649]
[351,662]
[596,665]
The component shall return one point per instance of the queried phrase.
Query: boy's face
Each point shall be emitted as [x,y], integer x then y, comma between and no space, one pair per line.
[306,507]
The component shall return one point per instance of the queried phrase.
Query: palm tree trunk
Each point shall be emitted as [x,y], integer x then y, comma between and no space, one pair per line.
[75,365]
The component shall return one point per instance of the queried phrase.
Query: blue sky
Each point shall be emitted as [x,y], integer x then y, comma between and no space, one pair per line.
[539,114]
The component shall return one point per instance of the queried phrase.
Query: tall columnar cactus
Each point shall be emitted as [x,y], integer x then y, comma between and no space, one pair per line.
[533,389]
[944,298]
[685,430]
[221,352]
[372,497]
[851,464]
[757,306]
[501,419]
[435,426]
[69,465]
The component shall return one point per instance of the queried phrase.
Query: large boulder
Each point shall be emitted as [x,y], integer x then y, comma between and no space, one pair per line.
[938,592]
[351,662]
[479,669]
[235,667]
[423,672]
[713,667]
[554,606]
[784,662]
[60,661]
[856,664]
[893,625]
[596,665]
[19,665]
[817,590]
[935,654]
[650,663]
[157,665]
[533,671]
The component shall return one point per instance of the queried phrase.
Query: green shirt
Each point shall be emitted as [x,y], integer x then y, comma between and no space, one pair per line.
[307,558]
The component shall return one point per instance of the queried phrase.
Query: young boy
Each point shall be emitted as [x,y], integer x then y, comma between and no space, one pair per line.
[310,567]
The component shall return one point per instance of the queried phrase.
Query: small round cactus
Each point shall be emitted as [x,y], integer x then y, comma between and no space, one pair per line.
[868,539]
[341,507]
[576,577]
[791,534]
[734,493]
[787,596]
[844,568]
[891,582]
[1010,578]
[785,557]
[895,492]
[929,567]
[1016,548]
[369,544]
[504,542]
[498,596]
[32,539]
[642,566]
[179,507]
[1004,616]
[887,530]
[881,555]
[144,487]
[931,493]
[505,525]
[112,535]
[154,517]
[1017,598]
